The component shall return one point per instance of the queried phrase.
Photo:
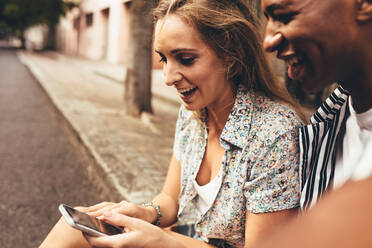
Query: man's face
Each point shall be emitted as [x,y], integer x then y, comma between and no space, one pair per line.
[313,38]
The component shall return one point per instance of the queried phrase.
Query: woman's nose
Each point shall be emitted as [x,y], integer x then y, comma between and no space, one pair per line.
[272,39]
[172,74]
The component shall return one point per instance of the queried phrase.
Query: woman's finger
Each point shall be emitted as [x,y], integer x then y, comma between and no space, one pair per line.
[99,241]
[100,211]
[140,233]
[118,219]
[119,240]
[98,206]
[130,209]
[111,207]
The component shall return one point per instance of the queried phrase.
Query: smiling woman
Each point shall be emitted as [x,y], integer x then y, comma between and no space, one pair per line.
[233,177]
[192,66]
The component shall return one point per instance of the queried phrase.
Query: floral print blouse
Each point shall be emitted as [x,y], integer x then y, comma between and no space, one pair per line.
[259,166]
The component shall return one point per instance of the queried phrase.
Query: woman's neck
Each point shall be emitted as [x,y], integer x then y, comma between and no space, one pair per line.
[218,115]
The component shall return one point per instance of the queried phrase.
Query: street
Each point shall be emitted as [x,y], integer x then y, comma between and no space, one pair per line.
[41,164]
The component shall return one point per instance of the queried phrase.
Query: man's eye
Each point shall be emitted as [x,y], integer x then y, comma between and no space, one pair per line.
[285,18]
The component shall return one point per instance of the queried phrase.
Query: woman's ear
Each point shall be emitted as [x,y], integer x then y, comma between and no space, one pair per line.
[364,10]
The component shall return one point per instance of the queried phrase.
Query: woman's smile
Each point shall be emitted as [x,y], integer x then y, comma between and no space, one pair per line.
[187,93]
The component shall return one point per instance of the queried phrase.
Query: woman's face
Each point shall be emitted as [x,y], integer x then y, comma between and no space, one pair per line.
[191,66]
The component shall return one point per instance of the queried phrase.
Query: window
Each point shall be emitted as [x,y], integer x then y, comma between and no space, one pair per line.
[89,19]
[106,12]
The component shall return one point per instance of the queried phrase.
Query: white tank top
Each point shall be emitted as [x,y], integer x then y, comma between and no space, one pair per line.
[207,193]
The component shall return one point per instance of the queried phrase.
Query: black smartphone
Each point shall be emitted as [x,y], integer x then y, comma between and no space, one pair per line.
[86,223]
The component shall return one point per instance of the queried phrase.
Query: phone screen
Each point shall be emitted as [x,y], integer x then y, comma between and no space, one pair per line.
[92,222]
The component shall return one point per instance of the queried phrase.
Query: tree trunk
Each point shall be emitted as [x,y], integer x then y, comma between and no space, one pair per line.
[23,41]
[51,39]
[137,84]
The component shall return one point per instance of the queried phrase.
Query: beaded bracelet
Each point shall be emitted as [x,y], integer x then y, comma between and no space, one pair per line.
[157,208]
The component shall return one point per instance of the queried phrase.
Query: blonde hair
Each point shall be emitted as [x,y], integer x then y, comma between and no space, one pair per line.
[230,28]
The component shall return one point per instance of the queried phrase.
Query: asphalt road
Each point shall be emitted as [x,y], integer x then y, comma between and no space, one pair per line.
[41,165]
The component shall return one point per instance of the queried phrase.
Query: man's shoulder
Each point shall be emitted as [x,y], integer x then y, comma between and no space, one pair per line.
[332,106]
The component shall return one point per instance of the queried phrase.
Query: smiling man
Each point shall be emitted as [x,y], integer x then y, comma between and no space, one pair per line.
[318,40]
[322,42]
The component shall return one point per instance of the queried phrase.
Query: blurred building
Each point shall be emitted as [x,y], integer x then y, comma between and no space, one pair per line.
[36,37]
[97,30]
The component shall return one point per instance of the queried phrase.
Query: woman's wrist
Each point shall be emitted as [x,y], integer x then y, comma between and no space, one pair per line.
[154,214]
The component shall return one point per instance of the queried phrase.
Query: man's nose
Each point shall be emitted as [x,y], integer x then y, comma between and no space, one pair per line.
[172,74]
[272,39]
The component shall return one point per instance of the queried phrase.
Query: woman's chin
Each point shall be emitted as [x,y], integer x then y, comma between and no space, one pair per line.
[192,107]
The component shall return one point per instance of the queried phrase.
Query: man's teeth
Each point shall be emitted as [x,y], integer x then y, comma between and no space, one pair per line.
[183,91]
[292,61]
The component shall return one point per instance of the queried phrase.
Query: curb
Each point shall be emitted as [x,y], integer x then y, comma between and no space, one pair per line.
[106,177]
[107,186]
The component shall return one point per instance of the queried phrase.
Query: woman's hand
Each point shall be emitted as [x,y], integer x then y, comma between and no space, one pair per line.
[148,214]
[138,233]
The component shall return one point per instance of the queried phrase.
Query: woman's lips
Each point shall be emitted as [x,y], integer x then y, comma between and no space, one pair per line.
[187,94]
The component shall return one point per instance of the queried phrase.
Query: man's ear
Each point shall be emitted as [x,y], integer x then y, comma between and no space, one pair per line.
[364,10]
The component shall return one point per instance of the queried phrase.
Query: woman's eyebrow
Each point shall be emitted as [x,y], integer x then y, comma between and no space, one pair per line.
[178,50]
[174,51]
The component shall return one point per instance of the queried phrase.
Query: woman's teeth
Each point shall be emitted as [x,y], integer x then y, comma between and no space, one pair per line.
[187,92]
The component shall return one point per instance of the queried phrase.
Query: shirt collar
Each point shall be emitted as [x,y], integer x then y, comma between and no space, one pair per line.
[239,121]
[331,106]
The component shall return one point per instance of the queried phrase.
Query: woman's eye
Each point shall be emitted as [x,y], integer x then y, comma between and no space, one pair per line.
[187,60]
[163,59]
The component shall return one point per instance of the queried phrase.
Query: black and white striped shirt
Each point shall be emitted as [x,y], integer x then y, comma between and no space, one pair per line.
[319,143]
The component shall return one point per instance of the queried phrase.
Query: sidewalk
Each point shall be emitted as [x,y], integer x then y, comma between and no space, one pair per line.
[131,155]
